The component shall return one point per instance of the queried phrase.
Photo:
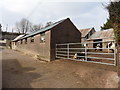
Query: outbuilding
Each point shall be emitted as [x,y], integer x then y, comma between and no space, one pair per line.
[42,43]
[104,37]
[86,34]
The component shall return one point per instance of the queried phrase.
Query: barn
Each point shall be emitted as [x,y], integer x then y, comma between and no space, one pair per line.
[42,43]
[101,36]
[6,37]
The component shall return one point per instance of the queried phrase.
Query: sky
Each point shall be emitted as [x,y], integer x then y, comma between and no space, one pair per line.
[83,13]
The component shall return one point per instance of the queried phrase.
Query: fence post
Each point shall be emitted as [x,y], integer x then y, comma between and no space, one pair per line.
[85,53]
[56,51]
[115,55]
[118,60]
[67,51]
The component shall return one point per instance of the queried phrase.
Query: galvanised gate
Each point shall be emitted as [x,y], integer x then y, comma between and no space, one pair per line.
[87,52]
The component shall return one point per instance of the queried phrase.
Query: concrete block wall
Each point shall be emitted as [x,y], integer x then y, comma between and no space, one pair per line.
[42,50]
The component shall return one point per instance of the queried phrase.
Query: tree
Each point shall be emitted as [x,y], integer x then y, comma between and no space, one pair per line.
[24,26]
[107,25]
[48,24]
[114,15]
[36,27]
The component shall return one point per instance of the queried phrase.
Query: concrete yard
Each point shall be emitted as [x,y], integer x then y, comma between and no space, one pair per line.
[24,71]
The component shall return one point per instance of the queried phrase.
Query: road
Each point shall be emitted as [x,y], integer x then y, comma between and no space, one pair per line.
[23,71]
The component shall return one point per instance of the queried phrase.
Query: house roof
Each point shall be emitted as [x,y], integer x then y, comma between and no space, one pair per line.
[11,33]
[44,29]
[84,32]
[19,37]
[102,34]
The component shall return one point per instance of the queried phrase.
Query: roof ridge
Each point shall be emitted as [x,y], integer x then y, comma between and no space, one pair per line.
[105,30]
[86,28]
[45,29]
[101,34]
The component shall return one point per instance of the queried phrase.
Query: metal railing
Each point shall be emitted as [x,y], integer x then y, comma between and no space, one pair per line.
[68,51]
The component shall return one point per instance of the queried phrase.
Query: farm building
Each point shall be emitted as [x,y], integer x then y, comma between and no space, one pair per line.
[43,42]
[17,38]
[86,33]
[104,35]
[6,37]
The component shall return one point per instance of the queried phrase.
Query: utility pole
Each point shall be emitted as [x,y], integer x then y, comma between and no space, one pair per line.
[6,27]
[0,27]
[12,30]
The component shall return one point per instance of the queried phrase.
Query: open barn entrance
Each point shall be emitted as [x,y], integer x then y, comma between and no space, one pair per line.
[82,52]
[99,41]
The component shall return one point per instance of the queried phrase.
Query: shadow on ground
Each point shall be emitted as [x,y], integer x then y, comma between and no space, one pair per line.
[15,74]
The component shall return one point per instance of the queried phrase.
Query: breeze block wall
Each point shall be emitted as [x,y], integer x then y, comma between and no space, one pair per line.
[41,50]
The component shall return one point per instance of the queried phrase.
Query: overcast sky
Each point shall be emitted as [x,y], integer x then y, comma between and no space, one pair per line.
[83,14]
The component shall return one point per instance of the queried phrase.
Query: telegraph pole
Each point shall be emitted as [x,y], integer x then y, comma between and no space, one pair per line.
[0,27]
[6,27]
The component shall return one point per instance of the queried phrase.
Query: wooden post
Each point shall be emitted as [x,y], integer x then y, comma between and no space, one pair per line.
[118,60]
[118,65]
[68,51]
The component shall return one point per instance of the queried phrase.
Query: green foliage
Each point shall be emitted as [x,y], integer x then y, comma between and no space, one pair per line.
[114,15]
[107,25]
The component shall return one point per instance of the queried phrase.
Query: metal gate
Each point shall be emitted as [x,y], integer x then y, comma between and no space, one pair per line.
[87,53]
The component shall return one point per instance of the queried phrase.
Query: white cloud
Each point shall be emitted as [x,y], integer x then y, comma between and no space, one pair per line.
[83,14]
[20,6]
[94,17]
[57,10]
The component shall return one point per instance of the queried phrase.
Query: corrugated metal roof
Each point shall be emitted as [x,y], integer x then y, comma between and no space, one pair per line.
[84,32]
[44,29]
[103,34]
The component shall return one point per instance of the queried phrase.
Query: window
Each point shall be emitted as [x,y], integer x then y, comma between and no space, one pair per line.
[32,39]
[26,41]
[42,37]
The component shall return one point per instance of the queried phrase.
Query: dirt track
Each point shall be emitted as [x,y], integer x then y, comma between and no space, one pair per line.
[22,71]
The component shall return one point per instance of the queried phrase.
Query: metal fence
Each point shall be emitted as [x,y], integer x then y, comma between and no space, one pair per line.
[88,53]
